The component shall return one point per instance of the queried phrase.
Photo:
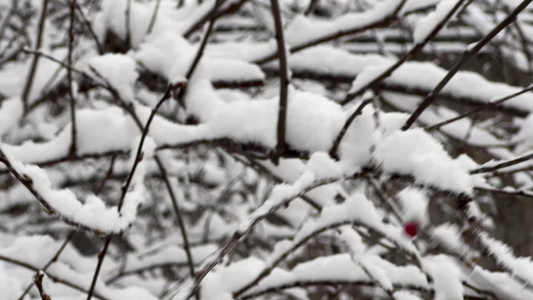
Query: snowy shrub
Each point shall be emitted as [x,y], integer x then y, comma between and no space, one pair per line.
[266,149]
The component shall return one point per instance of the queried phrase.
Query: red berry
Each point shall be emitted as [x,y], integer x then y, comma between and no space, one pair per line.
[411,229]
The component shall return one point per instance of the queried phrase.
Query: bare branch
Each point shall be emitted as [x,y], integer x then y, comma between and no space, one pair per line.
[125,187]
[33,67]
[154,17]
[55,278]
[50,262]
[73,147]
[430,98]
[333,152]
[509,163]
[416,49]
[281,146]
[38,279]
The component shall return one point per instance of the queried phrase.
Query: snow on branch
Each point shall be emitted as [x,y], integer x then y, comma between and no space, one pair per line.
[338,269]
[520,268]
[173,159]
[91,215]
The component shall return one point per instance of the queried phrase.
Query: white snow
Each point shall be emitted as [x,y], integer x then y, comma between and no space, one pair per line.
[10,112]
[13,76]
[425,26]
[171,255]
[368,75]
[446,277]
[303,30]
[219,168]
[340,267]
[11,287]
[112,17]
[519,266]
[92,214]
[403,295]
[525,135]
[415,152]
[313,123]
[71,267]
[414,204]
[371,267]
[355,147]
[118,71]
[154,52]
[221,283]
[448,236]
[424,75]
[500,283]
[332,60]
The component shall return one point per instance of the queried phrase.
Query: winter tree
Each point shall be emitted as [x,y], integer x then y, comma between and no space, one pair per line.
[266,149]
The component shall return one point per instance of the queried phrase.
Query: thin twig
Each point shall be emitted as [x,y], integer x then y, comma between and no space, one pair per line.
[107,175]
[267,270]
[33,67]
[141,270]
[73,145]
[50,262]
[89,28]
[238,235]
[179,216]
[27,181]
[413,90]
[504,164]
[414,50]
[127,21]
[525,48]
[399,8]
[311,7]
[512,192]
[71,284]
[200,52]
[261,151]
[469,53]
[281,146]
[61,63]
[209,15]
[489,105]
[260,168]
[333,152]
[125,187]
[38,280]
[101,256]
[7,18]
[385,199]
[154,17]
[315,283]
[328,37]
